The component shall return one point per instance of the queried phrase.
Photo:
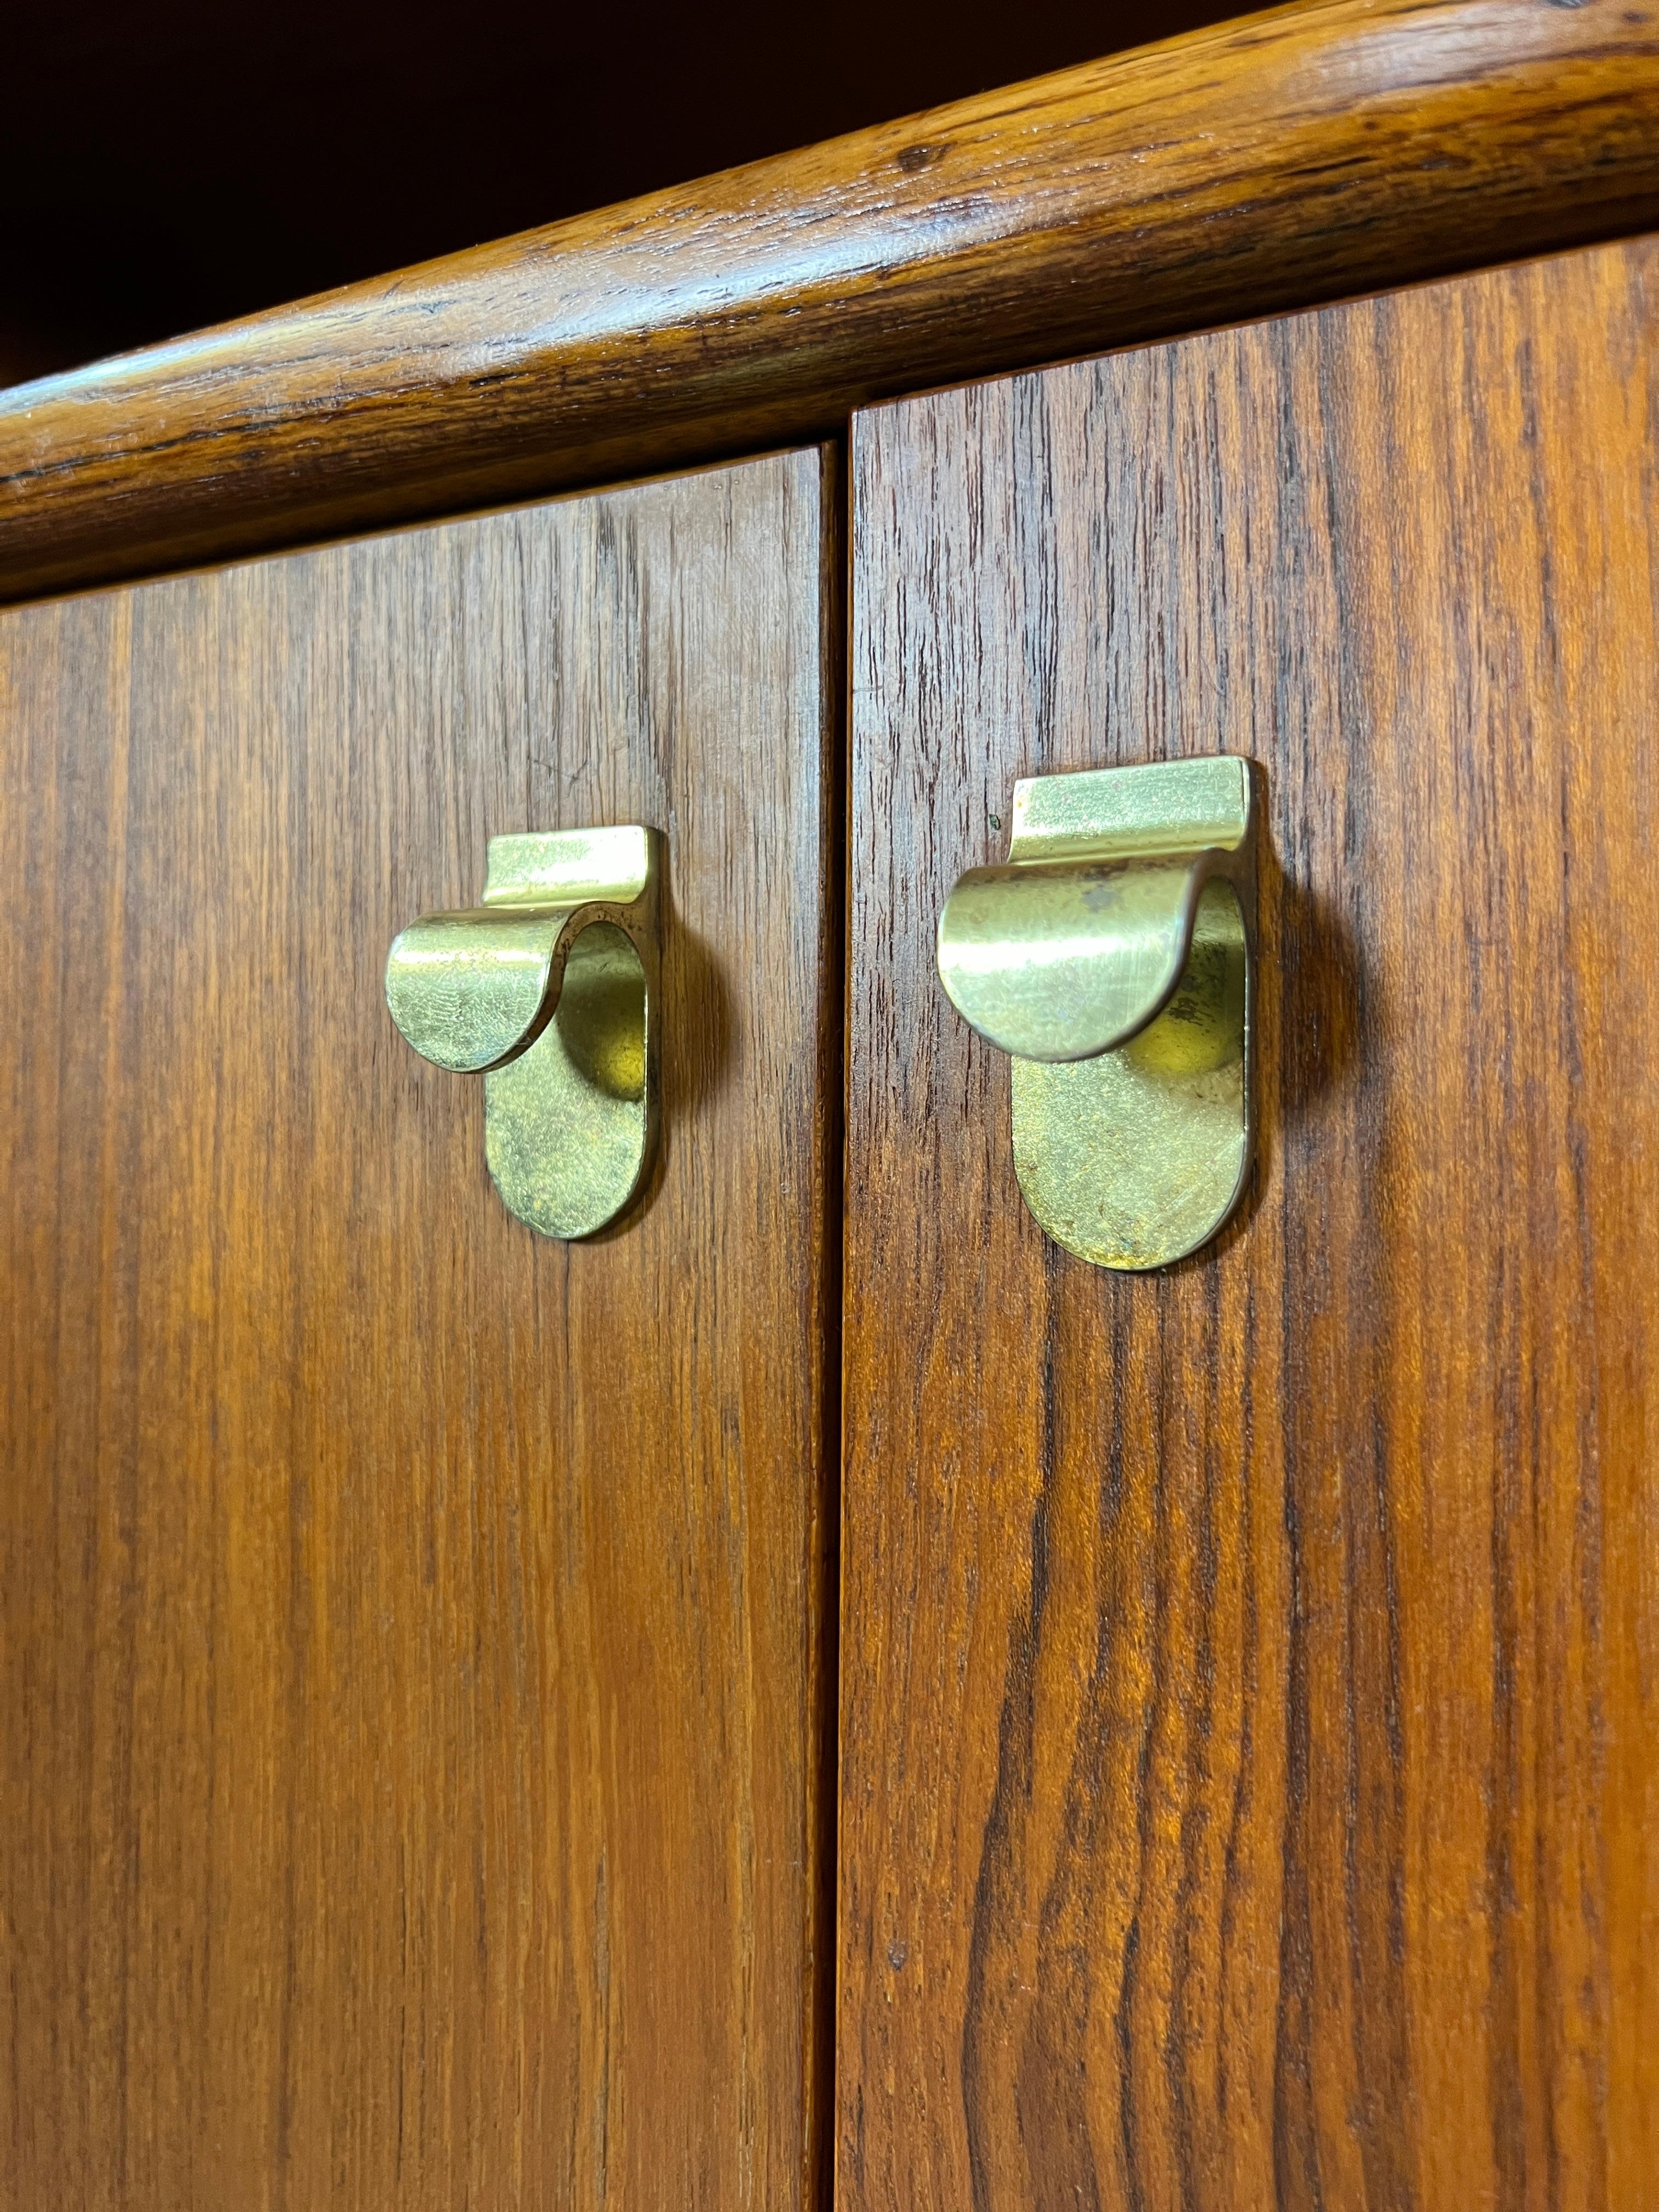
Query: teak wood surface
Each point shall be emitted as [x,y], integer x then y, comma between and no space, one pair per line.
[1250,1673]
[412,1630]
[1315,151]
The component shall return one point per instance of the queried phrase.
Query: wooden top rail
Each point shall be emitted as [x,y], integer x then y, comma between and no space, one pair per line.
[1266,163]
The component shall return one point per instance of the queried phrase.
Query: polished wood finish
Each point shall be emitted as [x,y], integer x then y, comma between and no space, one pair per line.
[412,1630]
[1266,163]
[1250,1674]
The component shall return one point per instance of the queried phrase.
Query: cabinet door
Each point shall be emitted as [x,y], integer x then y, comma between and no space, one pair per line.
[1251,1691]
[410,1787]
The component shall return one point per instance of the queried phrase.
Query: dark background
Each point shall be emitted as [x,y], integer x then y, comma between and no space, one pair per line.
[171,163]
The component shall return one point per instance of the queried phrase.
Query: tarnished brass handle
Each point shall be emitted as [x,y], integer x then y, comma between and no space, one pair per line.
[1111,957]
[547,990]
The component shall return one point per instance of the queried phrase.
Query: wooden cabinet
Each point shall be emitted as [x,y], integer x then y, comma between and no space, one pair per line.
[816,1694]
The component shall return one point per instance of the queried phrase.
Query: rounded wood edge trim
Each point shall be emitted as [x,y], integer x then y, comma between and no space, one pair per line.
[1326,148]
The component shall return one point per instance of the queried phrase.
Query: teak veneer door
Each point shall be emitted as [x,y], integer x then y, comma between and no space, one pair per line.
[412,1628]
[1250,1673]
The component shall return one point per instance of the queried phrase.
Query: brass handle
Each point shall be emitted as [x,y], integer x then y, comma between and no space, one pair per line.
[547,990]
[1111,956]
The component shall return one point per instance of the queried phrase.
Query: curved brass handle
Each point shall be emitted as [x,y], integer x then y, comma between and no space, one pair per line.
[546,989]
[1111,957]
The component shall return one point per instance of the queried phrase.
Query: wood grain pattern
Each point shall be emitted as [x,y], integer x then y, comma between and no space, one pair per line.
[1287,157]
[1250,1674]
[412,1630]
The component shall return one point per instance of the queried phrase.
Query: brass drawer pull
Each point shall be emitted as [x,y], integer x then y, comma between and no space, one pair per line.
[1111,957]
[547,989]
